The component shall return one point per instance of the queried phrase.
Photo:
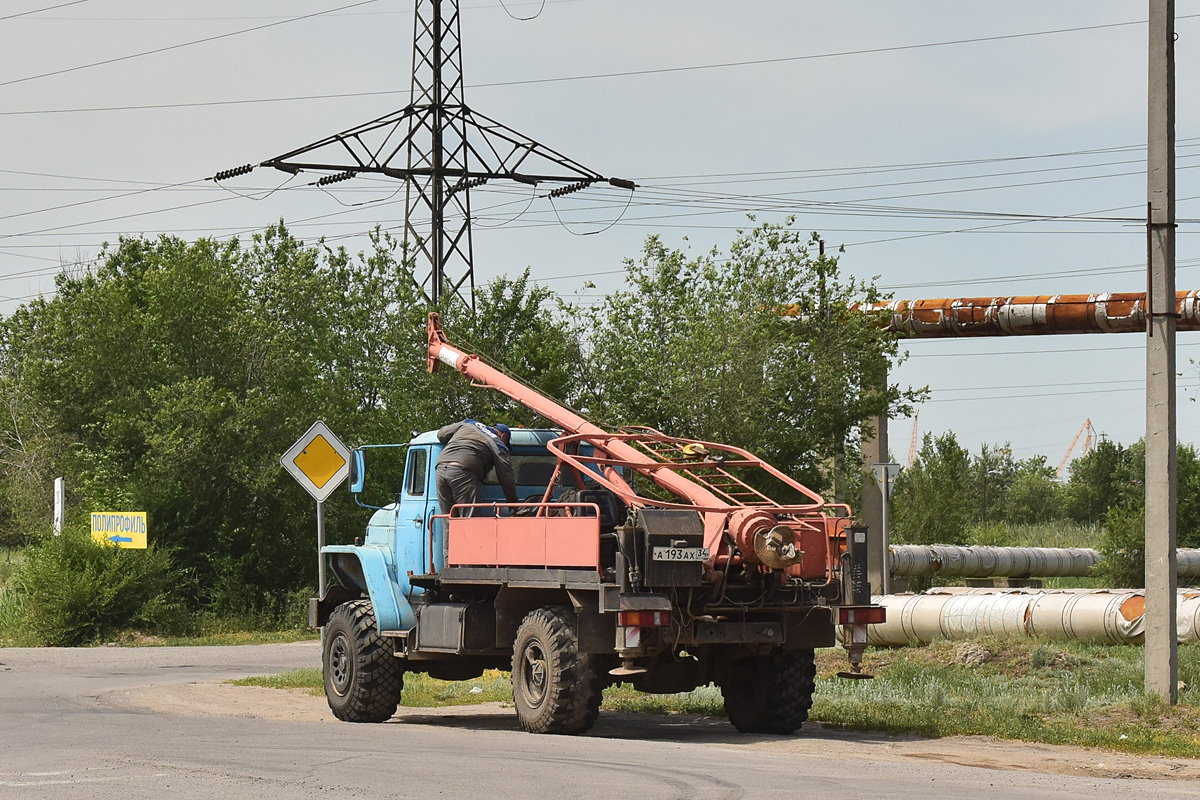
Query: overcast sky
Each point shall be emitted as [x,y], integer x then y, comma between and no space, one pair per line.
[841,105]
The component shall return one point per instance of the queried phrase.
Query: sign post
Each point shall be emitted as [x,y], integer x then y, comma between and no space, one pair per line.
[319,462]
[60,502]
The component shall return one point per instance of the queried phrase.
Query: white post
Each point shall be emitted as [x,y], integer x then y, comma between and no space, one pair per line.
[320,547]
[60,499]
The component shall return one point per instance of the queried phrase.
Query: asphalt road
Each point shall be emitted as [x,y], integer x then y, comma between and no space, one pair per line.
[61,738]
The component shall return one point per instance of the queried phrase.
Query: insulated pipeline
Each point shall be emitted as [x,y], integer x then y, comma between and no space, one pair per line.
[1109,616]
[1106,312]
[986,562]
[913,560]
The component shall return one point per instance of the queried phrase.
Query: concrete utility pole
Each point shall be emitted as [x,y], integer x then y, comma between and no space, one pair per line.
[1162,651]
[871,505]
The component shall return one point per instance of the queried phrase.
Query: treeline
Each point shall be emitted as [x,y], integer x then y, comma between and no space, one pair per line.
[172,376]
[950,496]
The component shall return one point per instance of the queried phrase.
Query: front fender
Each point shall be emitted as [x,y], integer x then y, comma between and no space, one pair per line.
[370,569]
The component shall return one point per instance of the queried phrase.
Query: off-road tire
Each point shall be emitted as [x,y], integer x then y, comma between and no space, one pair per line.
[363,678]
[556,688]
[770,693]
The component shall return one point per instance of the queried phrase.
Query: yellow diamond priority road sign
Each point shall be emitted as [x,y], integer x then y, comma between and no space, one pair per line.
[318,461]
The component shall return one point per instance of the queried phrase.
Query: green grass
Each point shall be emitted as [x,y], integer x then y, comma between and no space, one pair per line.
[307,678]
[705,701]
[1058,693]
[10,561]
[221,638]
[1054,692]
[420,691]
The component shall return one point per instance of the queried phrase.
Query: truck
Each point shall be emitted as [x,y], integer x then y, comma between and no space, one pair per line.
[634,556]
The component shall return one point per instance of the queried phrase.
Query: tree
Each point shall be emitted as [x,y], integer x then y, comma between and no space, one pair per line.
[932,503]
[1034,494]
[1108,475]
[1114,477]
[698,347]
[172,378]
[991,474]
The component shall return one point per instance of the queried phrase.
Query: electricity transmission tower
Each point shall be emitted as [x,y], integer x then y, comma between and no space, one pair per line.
[442,149]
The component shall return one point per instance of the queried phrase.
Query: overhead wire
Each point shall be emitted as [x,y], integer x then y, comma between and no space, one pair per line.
[541,8]
[247,18]
[41,10]
[567,78]
[815,56]
[1043,218]
[180,45]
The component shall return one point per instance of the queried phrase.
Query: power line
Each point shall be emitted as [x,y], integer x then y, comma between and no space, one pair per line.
[248,18]
[123,216]
[1036,395]
[202,104]
[815,56]
[915,165]
[948,179]
[1139,381]
[168,48]
[560,79]
[93,200]
[40,10]
[1058,274]
[732,204]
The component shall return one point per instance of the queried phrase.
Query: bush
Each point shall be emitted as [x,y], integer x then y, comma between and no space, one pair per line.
[75,591]
[931,503]
[1124,547]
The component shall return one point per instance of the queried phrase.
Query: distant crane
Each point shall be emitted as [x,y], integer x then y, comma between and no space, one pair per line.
[1088,444]
[912,443]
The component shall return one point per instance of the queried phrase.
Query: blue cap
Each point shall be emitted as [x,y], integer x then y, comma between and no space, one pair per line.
[503,430]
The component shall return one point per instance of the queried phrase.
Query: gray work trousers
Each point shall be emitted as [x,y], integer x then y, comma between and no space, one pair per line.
[457,484]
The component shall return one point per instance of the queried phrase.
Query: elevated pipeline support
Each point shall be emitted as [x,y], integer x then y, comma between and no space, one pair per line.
[978,561]
[1109,616]
[1110,312]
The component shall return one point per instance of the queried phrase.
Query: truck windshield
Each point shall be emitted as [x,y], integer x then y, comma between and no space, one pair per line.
[530,469]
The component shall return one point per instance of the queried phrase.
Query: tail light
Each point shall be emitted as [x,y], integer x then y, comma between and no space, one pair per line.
[643,619]
[862,615]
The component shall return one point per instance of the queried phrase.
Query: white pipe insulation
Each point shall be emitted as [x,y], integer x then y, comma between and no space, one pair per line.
[914,560]
[1111,616]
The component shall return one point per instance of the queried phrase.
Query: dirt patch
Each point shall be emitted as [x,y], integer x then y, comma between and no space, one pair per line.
[815,741]
[988,753]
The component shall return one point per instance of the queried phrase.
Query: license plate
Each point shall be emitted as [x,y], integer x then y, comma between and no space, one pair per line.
[680,554]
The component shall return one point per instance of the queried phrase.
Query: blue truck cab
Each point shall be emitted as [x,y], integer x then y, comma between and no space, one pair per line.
[404,540]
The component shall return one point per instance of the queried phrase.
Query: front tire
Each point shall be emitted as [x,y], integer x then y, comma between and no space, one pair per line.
[556,688]
[363,678]
[770,693]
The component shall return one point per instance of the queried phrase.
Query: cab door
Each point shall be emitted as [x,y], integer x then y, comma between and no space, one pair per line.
[418,502]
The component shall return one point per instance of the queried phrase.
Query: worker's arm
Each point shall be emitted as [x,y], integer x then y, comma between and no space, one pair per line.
[505,477]
[446,433]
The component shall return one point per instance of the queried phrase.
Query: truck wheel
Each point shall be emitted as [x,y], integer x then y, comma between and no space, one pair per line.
[363,678]
[771,693]
[556,688]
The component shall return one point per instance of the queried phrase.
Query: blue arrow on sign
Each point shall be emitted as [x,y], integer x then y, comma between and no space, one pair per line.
[119,539]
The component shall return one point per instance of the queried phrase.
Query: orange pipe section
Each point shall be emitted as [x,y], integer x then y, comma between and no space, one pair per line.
[1120,312]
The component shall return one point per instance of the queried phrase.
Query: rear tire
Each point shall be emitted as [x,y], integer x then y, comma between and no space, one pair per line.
[771,693]
[363,678]
[556,688]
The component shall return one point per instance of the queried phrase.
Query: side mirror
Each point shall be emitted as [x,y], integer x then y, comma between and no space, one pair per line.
[358,472]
